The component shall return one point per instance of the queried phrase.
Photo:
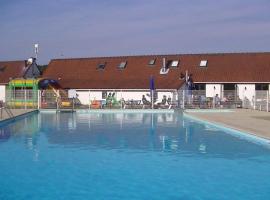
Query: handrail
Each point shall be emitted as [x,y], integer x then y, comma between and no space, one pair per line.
[8,111]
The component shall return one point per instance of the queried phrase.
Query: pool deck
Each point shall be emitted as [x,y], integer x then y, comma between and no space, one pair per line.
[250,121]
[15,113]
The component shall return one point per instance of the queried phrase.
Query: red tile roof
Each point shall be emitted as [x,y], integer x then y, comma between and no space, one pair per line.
[11,69]
[82,73]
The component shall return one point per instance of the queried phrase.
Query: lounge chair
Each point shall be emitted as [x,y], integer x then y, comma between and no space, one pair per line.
[95,104]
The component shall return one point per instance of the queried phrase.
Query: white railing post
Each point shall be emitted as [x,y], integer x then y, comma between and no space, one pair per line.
[121,99]
[152,97]
[255,101]
[25,99]
[267,101]
[183,106]
[38,100]
[89,100]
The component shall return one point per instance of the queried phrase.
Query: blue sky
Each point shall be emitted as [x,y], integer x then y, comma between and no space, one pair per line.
[86,28]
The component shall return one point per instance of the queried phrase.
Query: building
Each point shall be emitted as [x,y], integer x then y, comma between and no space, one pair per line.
[10,70]
[129,76]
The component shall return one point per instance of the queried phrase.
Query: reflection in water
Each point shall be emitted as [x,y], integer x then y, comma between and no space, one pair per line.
[5,134]
[25,129]
[145,132]
[159,132]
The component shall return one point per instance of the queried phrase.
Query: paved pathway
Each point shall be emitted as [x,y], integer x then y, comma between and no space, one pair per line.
[254,122]
[15,112]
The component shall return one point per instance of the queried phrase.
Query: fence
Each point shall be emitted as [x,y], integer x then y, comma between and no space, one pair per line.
[261,101]
[136,99]
[227,99]
[21,99]
[109,99]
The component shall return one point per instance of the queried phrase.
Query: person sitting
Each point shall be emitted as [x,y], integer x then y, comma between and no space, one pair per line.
[169,100]
[164,100]
[216,101]
[145,101]
[109,100]
[114,100]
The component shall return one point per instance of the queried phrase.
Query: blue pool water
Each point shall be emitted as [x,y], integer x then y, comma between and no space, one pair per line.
[128,156]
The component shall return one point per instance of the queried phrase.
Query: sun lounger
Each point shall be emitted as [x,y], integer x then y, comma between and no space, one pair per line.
[95,104]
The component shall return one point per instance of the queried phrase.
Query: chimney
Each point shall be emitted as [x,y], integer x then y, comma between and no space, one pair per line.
[164,63]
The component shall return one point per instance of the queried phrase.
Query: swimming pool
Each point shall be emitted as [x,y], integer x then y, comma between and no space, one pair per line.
[128,156]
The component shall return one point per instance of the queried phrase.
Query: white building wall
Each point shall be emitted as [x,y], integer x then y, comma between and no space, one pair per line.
[2,93]
[213,89]
[246,90]
[83,96]
[86,96]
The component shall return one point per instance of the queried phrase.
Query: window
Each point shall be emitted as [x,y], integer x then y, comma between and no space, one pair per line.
[168,63]
[229,86]
[101,66]
[199,86]
[203,63]
[174,63]
[152,62]
[122,65]
[2,68]
[261,86]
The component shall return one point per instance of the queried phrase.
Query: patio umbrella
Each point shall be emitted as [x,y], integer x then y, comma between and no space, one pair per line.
[45,83]
[152,88]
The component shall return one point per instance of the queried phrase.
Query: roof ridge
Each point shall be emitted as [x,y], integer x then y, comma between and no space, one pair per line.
[9,61]
[160,55]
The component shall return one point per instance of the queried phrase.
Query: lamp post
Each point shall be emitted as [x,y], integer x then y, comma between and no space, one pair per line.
[36,50]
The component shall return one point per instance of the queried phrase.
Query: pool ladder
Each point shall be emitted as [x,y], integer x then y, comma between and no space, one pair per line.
[8,111]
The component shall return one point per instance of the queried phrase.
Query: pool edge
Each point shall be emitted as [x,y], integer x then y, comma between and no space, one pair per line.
[252,137]
[104,111]
[18,117]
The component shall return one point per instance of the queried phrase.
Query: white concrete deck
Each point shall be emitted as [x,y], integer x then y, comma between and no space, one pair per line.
[251,121]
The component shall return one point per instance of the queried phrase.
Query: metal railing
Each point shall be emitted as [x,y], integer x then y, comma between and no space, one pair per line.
[92,99]
[21,99]
[3,109]
[138,99]
[227,99]
[261,100]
